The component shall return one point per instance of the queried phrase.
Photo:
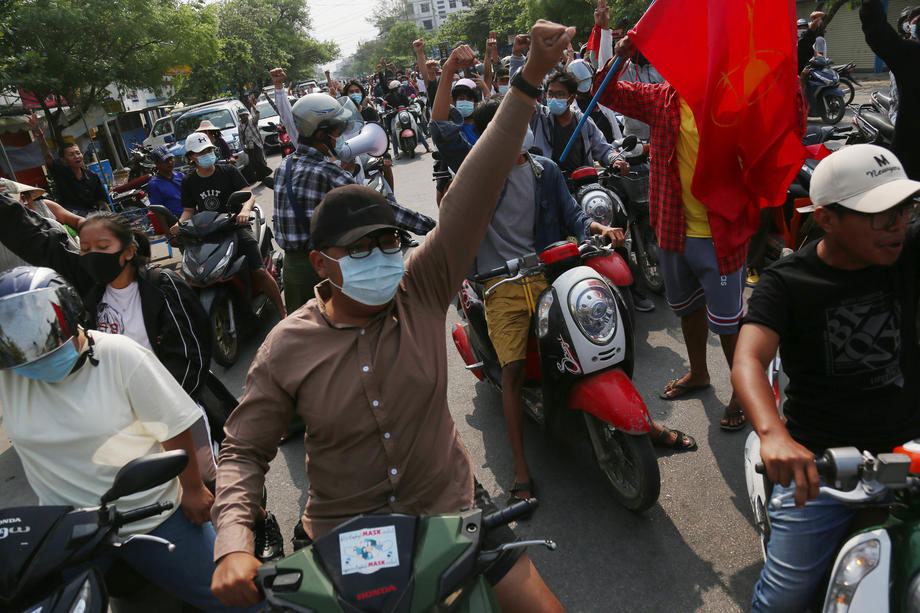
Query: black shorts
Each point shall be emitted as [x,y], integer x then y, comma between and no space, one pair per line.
[494,539]
[249,247]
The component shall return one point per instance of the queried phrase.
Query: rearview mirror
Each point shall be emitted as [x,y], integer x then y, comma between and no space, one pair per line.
[237,199]
[146,472]
[629,143]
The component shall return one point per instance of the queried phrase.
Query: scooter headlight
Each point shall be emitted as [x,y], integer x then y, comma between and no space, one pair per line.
[594,310]
[858,563]
[545,304]
[222,263]
[84,599]
[599,207]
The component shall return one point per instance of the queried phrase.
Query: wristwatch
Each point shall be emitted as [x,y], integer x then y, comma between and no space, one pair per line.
[522,84]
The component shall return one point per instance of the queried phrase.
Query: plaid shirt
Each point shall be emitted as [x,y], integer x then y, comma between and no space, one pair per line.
[314,176]
[658,105]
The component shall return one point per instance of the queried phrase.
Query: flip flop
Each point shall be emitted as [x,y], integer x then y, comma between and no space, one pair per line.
[682,389]
[662,439]
[728,415]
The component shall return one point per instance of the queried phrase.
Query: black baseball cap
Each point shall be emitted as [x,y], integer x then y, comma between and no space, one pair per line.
[349,213]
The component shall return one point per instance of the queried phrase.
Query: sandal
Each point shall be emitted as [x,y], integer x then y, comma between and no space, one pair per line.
[681,442]
[681,389]
[730,414]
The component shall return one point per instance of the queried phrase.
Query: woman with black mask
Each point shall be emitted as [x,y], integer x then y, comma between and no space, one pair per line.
[153,306]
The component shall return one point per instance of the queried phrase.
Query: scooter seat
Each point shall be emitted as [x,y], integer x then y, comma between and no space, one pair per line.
[880,123]
[817,134]
[883,100]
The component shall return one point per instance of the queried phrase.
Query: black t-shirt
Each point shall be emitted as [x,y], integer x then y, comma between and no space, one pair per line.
[561,135]
[848,342]
[370,114]
[211,193]
[432,88]
[396,99]
[78,195]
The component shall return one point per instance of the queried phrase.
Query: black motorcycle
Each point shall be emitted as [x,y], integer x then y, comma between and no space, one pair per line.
[848,82]
[50,555]
[872,124]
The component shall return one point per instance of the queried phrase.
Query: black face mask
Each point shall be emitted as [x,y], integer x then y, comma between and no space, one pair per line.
[102,267]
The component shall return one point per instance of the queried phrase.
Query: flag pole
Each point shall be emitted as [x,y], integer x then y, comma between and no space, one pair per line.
[613,70]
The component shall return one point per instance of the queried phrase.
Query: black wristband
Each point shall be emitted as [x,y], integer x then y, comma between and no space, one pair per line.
[522,84]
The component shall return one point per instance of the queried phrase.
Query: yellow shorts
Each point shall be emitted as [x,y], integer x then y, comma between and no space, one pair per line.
[508,315]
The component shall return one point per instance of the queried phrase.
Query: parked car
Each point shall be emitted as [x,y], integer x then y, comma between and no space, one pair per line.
[161,131]
[222,113]
[269,121]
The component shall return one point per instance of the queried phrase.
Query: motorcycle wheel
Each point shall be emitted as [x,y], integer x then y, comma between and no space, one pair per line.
[226,343]
[834,109]
[849,89]
[645,248]
[629,463]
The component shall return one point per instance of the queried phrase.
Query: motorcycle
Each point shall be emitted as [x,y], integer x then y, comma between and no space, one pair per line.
[51,560]
[418,108]
[140,162]
[404,129]
[213,265]
[284,141]
[395,562]
[822,92]
[872,125]
[580,359]
[845,72]
[877,568]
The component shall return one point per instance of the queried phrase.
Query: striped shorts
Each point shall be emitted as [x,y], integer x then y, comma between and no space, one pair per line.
[692,279]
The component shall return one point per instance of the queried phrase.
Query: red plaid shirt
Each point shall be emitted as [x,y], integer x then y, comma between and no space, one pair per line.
[658,105]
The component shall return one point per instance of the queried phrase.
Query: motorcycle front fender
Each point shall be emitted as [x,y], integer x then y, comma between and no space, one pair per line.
[465,349]
[611,397]
[208,297]
[613,267]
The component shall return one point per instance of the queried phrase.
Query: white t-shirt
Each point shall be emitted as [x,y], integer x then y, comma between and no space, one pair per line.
[119,312]
[74,435]
[420,85]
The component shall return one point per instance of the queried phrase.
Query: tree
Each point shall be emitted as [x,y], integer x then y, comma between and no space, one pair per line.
[388,13]
[399,43]
[72,51]
[830,8]
[253,37]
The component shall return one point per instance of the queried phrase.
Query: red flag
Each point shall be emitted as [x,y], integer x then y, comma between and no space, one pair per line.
[594,41]
[735,65]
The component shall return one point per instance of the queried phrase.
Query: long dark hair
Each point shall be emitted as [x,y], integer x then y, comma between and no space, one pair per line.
[126,235]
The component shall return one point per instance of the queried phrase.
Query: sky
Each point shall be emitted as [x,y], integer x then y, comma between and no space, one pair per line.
[342,22]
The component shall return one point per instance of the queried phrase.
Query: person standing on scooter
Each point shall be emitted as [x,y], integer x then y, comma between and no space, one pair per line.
[209,189]
[533,212]
[251,139]
[902,57]
[700,287]
[78,405]
[843,313]
[365,364]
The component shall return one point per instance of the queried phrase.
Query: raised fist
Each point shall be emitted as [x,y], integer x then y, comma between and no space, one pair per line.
[418,45]
[460,58]
[521,44]
[548,40]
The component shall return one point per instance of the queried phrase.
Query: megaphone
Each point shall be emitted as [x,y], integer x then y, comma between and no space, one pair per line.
[371,139]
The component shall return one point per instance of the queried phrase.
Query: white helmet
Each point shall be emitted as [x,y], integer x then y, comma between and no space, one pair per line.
[315,111]
[394,84]
[582,71]
[196,142]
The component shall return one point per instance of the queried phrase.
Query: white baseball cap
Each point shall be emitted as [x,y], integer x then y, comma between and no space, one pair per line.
[197,142]
[863,178]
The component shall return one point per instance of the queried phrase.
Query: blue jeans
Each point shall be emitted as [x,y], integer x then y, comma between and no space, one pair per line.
[802,545]
[186,572]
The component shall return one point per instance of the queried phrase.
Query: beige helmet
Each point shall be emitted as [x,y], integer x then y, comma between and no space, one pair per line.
[315,111]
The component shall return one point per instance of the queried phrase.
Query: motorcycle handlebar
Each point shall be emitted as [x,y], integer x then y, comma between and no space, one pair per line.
[142,513]
[825,467]
[509,514]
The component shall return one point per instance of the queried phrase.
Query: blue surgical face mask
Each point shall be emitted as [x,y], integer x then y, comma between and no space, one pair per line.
[465,107]
[557,107]
[405,83]
[913,31]
[207,160]
[357,98]
[503,89]
[906,27]
[52,367]
[339,144]
[371,280]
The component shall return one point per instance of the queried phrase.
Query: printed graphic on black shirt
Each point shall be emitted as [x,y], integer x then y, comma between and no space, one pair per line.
[210,199]
[109,320]
[863,337]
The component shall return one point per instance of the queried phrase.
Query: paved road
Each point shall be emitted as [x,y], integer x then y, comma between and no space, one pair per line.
[694,550]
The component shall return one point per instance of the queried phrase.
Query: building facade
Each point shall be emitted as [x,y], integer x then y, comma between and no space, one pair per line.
[430,14]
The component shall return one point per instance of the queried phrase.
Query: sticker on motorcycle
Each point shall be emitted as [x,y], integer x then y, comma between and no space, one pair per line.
[568,362]
[468,296]
[369,550]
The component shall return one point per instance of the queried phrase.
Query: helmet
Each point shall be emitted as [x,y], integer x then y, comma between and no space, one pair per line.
[905,13]
[801,23]
[196,142]
[315,111]
[39,312]
[583,72]
[394,84]
[468,84]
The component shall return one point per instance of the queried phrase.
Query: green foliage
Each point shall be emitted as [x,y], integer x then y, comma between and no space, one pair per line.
[75,49]
[253,37]
[388,13]
[398,43]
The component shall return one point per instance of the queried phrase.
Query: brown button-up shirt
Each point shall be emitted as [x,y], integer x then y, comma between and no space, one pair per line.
[379,435]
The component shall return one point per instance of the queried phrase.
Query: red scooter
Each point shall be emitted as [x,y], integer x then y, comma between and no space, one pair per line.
[580,360]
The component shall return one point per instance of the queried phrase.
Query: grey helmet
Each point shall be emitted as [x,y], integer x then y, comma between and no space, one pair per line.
[315,111]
